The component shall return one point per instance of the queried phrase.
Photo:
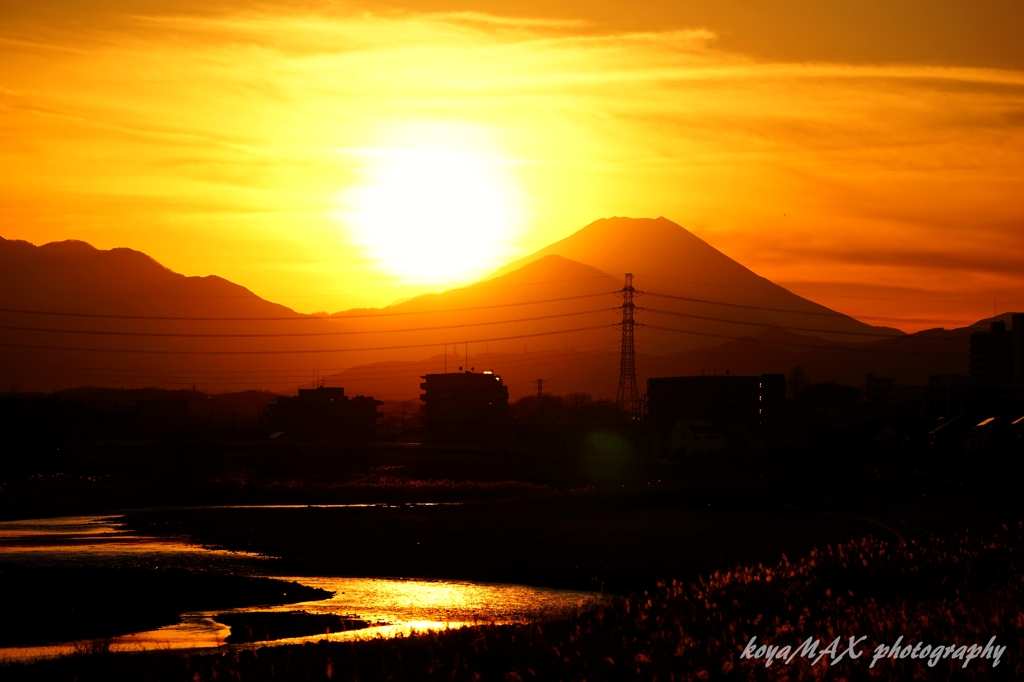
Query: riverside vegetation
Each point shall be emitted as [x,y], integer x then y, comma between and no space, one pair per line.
[963,590]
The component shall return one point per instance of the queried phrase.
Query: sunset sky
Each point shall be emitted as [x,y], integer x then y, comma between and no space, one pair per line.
[331,155]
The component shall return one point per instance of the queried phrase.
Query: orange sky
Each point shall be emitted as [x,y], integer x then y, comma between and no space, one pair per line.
[869,159]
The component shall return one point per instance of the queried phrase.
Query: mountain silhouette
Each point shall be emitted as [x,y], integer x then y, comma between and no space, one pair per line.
[717,315]
[666,258]
[104,289]
[75,275]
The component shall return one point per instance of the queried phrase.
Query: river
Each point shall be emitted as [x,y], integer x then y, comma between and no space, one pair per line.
[392,606]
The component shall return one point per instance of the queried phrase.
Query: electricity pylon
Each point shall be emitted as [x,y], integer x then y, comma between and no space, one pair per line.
[627,397]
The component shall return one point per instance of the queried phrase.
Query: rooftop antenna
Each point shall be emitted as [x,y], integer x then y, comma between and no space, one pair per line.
[446,358]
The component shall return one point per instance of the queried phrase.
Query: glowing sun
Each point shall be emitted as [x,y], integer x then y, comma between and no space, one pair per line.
[432,215]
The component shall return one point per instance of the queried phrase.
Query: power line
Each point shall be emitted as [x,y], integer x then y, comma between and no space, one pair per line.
[292,318]
[95,332]
[503,367]
[905,300]
[802,345]
[748,307]
[340,316]
[780,287]
[919,320]
[810,312]
[155,376]
[521,284]
[268,297]
[712,284]
[516,360]
[716,354]
[788,328]
[157,383]
[560,378]
[296,351]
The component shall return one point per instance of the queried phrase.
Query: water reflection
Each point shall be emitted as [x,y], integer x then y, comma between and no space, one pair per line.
[103,541]
[395,606]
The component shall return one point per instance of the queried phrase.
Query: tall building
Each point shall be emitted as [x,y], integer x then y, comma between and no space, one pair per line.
[465,406]
[1018,347]
[992,354]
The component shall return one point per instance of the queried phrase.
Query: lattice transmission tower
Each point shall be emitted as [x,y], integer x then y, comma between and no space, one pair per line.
[627,397]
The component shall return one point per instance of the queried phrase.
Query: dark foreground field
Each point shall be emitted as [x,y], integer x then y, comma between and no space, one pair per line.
[952,594]
[886,551]
[615,538]
[591,539]
[47,604]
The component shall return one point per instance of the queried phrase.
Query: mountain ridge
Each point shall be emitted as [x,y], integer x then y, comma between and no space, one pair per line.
[658,249]
[551,317]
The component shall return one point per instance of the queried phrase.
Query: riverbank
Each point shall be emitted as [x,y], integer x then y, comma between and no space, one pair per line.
[615,539]
[955,593]
[51,604]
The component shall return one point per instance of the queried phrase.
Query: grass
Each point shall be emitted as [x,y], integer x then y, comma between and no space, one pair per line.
[964,591]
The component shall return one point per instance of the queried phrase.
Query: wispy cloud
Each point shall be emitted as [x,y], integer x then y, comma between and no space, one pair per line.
[163,129]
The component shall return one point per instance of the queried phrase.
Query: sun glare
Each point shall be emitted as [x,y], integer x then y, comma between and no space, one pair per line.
[433,215]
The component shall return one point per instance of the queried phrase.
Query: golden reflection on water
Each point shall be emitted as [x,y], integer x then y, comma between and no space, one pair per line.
[438,603]
[64,525]
[84,538]
[395,606]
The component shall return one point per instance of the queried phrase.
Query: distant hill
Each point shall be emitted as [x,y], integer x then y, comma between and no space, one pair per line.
[105,289]
[513,314]
[103,342]
[909,359]
[549,316]
[73,275]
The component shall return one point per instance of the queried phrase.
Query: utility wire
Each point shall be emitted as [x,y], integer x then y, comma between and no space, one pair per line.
[302,371]
[747,307]
[298,351]
[299,375]
[268,298]
[293,318]
[801,345]
[778,288]
[806,312]
[298,334]
[788,328]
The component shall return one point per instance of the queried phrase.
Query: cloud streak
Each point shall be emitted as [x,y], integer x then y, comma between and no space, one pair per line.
[138,130]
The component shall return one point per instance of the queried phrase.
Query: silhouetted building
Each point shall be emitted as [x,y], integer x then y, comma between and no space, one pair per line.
[465,406]
[948,395]
[992,354]
[324,413]
[999,433]
[883,394]
[880,390]
[1018,347]
[727,402]
[160,416]
[692,437]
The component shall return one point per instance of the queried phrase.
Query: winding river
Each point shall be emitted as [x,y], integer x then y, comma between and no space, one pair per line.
[393,606]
